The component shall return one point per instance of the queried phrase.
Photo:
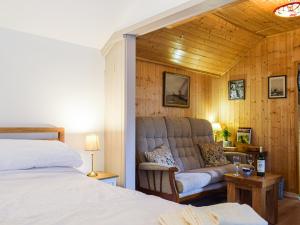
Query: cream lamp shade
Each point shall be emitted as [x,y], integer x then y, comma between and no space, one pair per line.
[92,142]
[216,127]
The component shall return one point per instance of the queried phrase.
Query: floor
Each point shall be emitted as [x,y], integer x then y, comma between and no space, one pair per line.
[289,212]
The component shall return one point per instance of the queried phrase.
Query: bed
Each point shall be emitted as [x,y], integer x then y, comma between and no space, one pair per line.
[38,186]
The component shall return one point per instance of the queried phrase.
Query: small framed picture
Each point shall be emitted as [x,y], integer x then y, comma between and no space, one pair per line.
[298,79]
[236,89]
[243,135]
[277,86]
[176,92]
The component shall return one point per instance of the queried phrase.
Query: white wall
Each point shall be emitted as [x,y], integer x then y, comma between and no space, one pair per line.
[114,111]
[43,81]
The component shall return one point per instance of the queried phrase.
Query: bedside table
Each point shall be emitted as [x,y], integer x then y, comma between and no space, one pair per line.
[106,177]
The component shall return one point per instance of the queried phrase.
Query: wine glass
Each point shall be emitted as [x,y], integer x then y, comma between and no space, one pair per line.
[236,161]
[250,159]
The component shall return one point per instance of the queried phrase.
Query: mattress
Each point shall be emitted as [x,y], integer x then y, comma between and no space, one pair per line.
[64,196]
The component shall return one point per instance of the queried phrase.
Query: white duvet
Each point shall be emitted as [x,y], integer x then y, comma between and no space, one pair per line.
[60,196]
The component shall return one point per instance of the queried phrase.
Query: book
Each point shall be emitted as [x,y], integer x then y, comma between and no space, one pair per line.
[244,135]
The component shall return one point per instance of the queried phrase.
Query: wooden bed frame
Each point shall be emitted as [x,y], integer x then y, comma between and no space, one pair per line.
[21,130]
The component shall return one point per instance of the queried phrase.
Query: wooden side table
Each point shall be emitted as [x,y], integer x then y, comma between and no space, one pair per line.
[106,177]
[264,193]
[230,149]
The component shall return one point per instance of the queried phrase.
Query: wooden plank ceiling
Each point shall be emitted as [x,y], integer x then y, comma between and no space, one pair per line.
[214,42]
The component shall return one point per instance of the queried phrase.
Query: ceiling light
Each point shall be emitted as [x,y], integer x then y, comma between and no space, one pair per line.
[291,9]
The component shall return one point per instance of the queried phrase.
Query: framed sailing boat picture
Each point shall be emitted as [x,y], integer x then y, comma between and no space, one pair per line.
[176,90]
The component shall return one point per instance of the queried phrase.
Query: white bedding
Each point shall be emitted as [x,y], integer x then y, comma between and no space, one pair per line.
[63,196]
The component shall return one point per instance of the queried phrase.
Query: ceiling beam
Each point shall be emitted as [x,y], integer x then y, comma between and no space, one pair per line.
[179,67]
[236,25]
[190,19]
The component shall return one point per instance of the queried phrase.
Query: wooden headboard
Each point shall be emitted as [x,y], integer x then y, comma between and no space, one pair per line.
[32,130]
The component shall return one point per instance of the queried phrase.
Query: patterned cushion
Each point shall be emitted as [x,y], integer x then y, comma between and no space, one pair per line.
[161,155]
[213,155]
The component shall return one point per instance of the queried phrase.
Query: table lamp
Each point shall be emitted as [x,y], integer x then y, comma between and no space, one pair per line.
[216,128]
[92,145]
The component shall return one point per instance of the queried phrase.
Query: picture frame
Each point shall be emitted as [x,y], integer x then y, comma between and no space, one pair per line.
[176,90]
[298,78]
[277,86]
[236,89]
[244,135]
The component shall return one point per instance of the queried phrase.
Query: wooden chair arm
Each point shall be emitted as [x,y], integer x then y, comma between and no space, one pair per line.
[156,166]
[159,180]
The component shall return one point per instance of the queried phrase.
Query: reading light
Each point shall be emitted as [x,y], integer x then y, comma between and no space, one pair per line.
[92,145]
[216,128]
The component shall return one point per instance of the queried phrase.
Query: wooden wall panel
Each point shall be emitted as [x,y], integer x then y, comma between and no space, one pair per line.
[149,92]
[274,121]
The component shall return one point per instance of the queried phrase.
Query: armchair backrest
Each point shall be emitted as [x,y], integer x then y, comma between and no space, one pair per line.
[151,132]
[202,133]
[181,135]
[181,143]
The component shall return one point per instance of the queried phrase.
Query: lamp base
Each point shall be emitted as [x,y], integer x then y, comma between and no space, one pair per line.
[92,174]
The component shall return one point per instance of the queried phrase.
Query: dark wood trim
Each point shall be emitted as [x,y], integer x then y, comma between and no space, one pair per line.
[161,179]
[174,196]
[59,130]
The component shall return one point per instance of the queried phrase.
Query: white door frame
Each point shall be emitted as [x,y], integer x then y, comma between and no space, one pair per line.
[129,136]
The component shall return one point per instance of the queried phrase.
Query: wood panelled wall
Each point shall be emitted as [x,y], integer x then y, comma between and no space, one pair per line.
[274,122]
[149,92]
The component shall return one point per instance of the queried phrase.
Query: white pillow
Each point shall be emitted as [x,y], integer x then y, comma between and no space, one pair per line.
[27,154]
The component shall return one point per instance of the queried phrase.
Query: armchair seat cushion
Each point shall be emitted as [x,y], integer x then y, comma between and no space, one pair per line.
[216,173]
[187,182]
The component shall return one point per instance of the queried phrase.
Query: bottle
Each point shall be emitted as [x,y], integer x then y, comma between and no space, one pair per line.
[261,163]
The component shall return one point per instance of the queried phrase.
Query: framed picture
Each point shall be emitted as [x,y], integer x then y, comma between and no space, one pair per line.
[298,78]
[236,89]
[277,86]
[176,90]
[243,135]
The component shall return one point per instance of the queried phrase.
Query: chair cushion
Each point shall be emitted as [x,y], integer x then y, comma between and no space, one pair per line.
[213,155]
[210,187]
[151,132]
[216,173]
[161,155]
[181,144]
[191,181]
[202,132]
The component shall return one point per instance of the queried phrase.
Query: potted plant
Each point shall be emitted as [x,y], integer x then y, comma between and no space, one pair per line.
[226,134]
